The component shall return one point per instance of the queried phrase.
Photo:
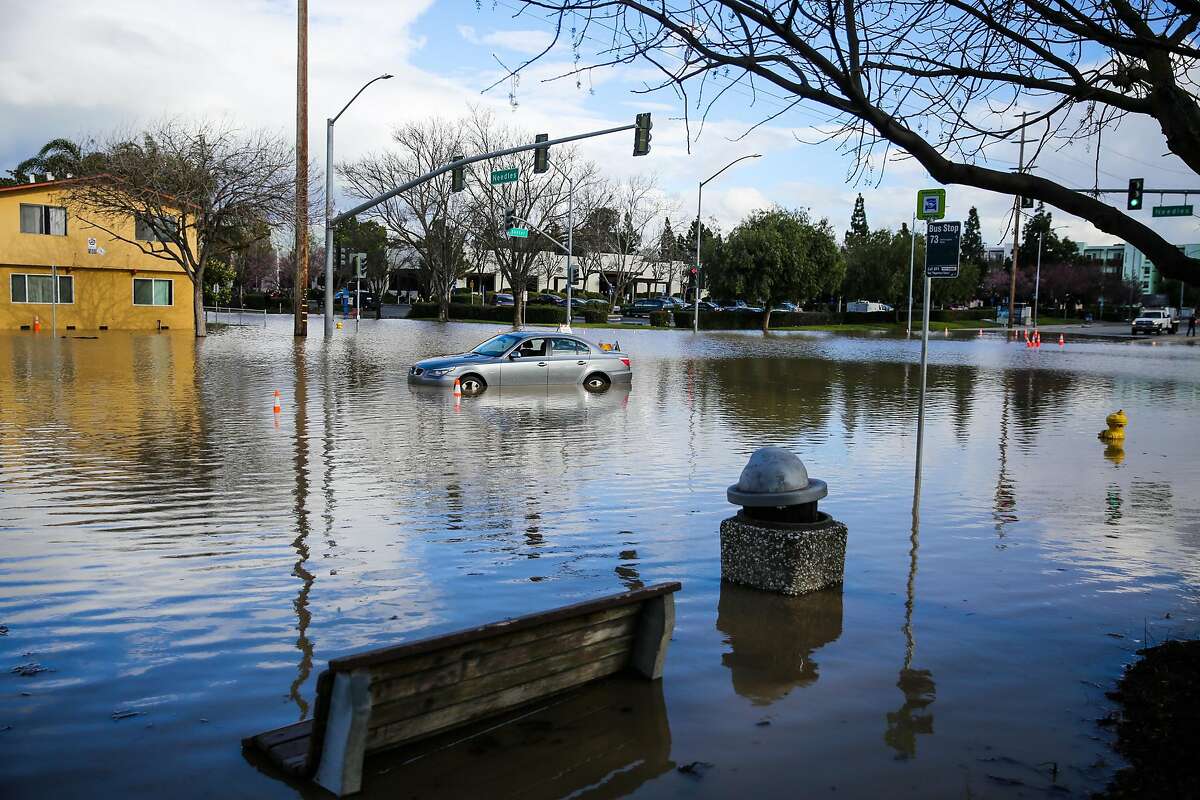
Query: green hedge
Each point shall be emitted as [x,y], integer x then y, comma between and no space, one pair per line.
[863,317]
[660,319]
[538,315]
[744,320]
[597,315]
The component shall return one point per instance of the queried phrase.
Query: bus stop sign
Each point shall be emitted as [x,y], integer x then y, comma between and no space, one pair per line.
[942,242]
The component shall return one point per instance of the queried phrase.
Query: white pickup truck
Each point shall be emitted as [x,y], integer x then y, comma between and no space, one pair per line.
[1156,321]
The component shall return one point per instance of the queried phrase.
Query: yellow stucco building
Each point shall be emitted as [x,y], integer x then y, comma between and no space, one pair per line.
[103,283]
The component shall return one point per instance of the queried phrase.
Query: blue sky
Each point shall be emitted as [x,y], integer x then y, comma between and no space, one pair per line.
[134,61]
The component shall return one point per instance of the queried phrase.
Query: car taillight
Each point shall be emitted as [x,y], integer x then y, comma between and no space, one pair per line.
[625,361]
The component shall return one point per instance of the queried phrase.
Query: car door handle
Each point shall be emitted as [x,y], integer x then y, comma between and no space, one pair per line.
[581,363]
[541,363]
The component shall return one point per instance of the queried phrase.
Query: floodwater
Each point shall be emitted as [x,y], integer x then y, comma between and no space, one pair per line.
[177,564]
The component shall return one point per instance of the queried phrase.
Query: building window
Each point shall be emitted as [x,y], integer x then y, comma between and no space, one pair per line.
[153,229]
[153,292]
[49,220]
[40,288]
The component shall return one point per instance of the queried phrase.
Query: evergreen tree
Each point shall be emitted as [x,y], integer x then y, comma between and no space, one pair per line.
[1055,250]
[858,224]
[972,239]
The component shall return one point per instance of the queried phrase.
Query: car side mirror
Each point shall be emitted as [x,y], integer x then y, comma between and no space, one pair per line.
[514,355]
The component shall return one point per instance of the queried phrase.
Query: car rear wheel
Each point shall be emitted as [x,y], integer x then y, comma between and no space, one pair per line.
[596,382]
[472,385]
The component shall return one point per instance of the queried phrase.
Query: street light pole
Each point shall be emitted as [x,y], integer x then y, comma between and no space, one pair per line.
[329,206]
[699,227]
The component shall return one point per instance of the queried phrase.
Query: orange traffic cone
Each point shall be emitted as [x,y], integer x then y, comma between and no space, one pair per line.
[37,324]
[1061,341]
[457,388]
[276,409]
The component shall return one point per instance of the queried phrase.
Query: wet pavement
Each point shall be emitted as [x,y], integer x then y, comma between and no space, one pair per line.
[177,564]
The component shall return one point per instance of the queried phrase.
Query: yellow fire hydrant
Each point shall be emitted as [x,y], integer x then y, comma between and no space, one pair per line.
[1116,427]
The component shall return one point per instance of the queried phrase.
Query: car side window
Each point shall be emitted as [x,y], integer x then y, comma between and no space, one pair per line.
[560,347]
[532,348]
[582,349]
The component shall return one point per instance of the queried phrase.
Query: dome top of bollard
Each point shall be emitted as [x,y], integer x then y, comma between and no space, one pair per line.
[775,477]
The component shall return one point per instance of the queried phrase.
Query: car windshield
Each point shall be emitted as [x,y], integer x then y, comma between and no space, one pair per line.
[1153,315]
[498,344]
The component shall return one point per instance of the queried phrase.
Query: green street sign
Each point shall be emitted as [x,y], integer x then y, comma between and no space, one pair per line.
[518,233]
[931,204]
[1172,211]
[504,175]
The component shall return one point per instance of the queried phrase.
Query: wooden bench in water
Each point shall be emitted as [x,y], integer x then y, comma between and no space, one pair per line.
[393,696]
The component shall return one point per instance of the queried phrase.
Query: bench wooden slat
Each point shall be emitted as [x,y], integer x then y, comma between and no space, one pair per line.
[405,666]
[380,738]
[546,663]
[471,665]
[287,747]
[373,657]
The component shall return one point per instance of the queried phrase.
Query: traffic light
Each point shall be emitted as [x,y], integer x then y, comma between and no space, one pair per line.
[457,178]
[1134,201]
[360,265]
[510,219]
[541,156]
[1026,202]
[641,134]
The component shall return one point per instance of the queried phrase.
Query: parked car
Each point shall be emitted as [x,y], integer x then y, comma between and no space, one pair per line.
[786,306]
[741,305]
[526,359]
[1154,321]
[643,307]
[709,305]
[547,300]
[504,300]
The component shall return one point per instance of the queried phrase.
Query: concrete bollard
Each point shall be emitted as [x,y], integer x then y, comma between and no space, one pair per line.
[780,541]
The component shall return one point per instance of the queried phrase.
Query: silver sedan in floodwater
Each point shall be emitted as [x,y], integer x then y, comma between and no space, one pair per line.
[525,358]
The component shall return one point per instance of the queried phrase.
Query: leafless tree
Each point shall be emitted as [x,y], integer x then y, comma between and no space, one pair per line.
[537,199]
[939,79]
[192,192]
[638,204]
[428,219]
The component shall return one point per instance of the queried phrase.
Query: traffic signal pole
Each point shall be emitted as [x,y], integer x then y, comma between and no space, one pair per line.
[404,187]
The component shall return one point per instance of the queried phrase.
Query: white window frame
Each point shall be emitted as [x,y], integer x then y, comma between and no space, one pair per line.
[57,294]
[133,292]
[44,219]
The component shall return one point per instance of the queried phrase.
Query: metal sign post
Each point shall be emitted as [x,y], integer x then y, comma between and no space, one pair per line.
[942,247]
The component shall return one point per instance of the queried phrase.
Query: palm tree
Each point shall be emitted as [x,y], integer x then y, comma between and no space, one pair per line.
[59,158]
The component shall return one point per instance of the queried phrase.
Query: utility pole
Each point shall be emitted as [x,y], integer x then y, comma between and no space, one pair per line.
[300,291]
[1012,289]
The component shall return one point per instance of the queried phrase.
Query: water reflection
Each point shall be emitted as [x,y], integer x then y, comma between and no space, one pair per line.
[917,686]
[300,543]
[601,741]
[772,638]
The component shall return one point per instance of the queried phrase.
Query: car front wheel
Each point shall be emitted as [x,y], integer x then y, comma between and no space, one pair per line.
[472,385]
